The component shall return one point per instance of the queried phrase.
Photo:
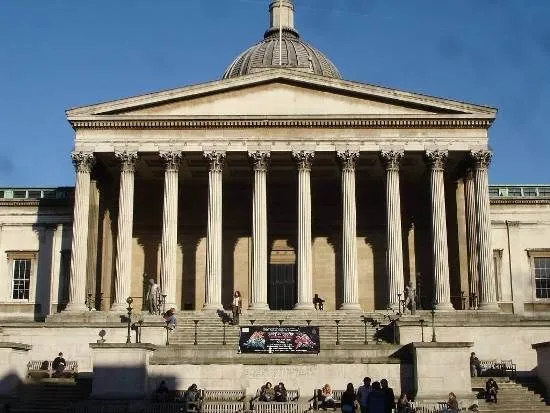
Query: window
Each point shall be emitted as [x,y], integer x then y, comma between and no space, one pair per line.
[21,278]
[541,267]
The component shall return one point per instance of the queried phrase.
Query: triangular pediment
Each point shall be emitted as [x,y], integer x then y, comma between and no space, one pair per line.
[279,93]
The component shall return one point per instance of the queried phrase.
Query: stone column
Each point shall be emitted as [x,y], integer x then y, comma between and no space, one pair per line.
[83,162]
[487,290]
[349,231]
[213,285]
[442,295]
[471,228]
[125,227]
[305,287]
[169,246]
[396,281]
[258,299]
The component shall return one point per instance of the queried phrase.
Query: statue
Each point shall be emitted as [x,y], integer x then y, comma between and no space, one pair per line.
[410,298]
[154,298]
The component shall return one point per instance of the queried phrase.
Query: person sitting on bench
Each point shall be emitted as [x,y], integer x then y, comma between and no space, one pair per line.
[326,397]
[318,302]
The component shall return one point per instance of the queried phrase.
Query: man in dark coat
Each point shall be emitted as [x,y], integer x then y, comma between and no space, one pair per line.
[389,397]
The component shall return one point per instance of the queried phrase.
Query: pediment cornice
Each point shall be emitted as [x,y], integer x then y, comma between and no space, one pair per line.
[441,106]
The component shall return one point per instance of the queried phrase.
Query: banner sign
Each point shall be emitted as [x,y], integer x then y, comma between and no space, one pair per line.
[279,339]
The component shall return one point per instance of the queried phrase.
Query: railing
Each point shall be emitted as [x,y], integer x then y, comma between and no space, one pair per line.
[517,191]
[60,193]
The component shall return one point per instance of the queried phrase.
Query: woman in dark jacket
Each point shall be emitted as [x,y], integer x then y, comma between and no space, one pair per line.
[348,399]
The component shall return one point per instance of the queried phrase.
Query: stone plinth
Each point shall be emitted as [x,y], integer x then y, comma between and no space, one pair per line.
[13,365]
[120,371]
[543,362]
[440,368]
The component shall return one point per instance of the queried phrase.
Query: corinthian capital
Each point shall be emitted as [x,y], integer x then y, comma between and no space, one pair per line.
[391,159]
[83,161]
[436,159]
[481,159]
[259,160]
[127,160]
[215,159]
[303,159]
[171,159]
[347,159]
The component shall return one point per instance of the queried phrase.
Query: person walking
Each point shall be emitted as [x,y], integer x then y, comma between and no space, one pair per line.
[389,397]
[363,393]
[348,399]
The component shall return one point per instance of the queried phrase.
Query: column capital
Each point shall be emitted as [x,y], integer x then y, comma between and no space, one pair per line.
[259,160]
[391,159]
[481,158]
[83,161]
[215,159]
[171,159]
[347,159]
[436,159]
[128,160]
[303,159]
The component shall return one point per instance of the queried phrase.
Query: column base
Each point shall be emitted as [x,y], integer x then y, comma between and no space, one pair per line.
[119,307]
[259,306]
[444,307]
[350,307]
[212,307]
[489,307]
[76,308]
[304,306]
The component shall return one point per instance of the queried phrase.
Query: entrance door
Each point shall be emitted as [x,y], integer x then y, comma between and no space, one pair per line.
[282,286]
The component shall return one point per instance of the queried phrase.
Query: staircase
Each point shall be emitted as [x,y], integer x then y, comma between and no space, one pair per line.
[50,395]
[209,329]
[513,396]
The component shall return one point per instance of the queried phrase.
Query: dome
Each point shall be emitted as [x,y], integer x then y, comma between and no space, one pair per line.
[282,48]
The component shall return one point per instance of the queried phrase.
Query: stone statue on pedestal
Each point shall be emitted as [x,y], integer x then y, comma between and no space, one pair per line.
[410,298]
[154,298]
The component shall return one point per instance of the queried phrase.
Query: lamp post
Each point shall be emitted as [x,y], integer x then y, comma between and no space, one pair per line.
[223,341]
[399,303]
[281,322]
[365,324]
[164,303]
[140,324]
[422,328]
[129,300]
[196,322]
[337,331]
[433,322]
[89,302]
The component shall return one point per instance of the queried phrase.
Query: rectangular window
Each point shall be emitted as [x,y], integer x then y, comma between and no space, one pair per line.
[21,278]
[542,276]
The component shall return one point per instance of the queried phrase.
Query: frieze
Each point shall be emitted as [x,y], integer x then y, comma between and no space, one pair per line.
[83,161]
[127,160]
[259,160]
[436,159]
[375,123]
[391,159]
[347,159]
[215,159]
[303,159]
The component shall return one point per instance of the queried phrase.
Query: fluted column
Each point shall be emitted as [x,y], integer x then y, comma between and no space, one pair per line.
[258,299]
[487,289]
[442,290]
[169,247]
[305,282]
[396,281]
[471,228]
[213,296]
[83,162]
[125,227]
[349,231]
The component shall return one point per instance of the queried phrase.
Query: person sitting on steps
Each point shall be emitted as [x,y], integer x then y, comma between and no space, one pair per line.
[491,390]
[318,302]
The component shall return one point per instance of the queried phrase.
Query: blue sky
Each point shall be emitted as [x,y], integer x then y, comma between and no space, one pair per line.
[58,54]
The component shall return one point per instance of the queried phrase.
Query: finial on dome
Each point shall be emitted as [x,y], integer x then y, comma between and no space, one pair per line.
[281,16]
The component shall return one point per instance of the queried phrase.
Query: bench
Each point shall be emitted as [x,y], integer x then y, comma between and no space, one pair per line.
[218,406]
[43,369]
[276,407]
[224,395]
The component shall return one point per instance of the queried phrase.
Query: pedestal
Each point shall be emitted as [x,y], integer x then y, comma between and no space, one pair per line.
[441,368]
[13,365]
[121,371]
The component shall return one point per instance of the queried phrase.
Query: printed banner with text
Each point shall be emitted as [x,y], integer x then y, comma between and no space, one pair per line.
[279,339]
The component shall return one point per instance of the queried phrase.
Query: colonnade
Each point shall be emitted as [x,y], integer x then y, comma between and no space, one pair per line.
[477,217]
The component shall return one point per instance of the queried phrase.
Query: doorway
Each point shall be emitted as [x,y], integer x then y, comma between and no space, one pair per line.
[282,286]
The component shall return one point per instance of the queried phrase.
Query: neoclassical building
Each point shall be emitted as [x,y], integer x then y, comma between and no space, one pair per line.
[281,180]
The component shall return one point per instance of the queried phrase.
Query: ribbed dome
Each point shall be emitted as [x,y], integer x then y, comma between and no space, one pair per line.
[293,52]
